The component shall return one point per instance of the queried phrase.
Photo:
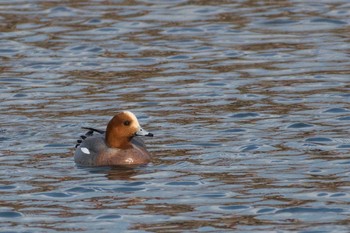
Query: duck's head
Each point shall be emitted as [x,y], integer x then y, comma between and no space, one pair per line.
[122,128]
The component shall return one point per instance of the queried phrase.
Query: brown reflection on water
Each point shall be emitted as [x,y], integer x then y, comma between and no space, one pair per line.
[122,173]
[222,223]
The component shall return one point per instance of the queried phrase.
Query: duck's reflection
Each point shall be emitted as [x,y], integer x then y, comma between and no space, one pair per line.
[118,172]
[123,173]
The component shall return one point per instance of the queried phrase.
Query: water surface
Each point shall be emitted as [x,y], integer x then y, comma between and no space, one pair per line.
[248,101]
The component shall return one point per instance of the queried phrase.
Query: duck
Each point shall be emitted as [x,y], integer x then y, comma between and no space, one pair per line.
[118,145]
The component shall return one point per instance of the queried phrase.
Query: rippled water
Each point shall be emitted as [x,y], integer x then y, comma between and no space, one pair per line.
[249,102]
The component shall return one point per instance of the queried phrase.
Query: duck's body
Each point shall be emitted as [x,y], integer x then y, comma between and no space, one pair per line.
[117,146]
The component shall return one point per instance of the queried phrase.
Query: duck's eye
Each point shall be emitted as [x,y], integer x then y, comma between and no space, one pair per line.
[126,123]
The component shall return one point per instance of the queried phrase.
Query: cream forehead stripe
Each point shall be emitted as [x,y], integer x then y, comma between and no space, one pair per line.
[132,116]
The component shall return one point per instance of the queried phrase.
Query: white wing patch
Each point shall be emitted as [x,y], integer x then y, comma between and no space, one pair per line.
[85,150]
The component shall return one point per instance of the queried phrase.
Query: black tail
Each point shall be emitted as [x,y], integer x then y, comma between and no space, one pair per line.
[88,134]
[92,130]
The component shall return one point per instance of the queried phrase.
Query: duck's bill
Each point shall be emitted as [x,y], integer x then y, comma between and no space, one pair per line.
[142,132]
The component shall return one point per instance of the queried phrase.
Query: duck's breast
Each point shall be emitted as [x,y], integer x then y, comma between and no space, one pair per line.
[122,157]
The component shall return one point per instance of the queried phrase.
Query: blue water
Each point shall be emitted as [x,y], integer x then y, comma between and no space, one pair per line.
[248,101]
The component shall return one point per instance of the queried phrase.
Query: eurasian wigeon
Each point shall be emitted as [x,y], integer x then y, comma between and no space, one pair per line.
[117,146]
